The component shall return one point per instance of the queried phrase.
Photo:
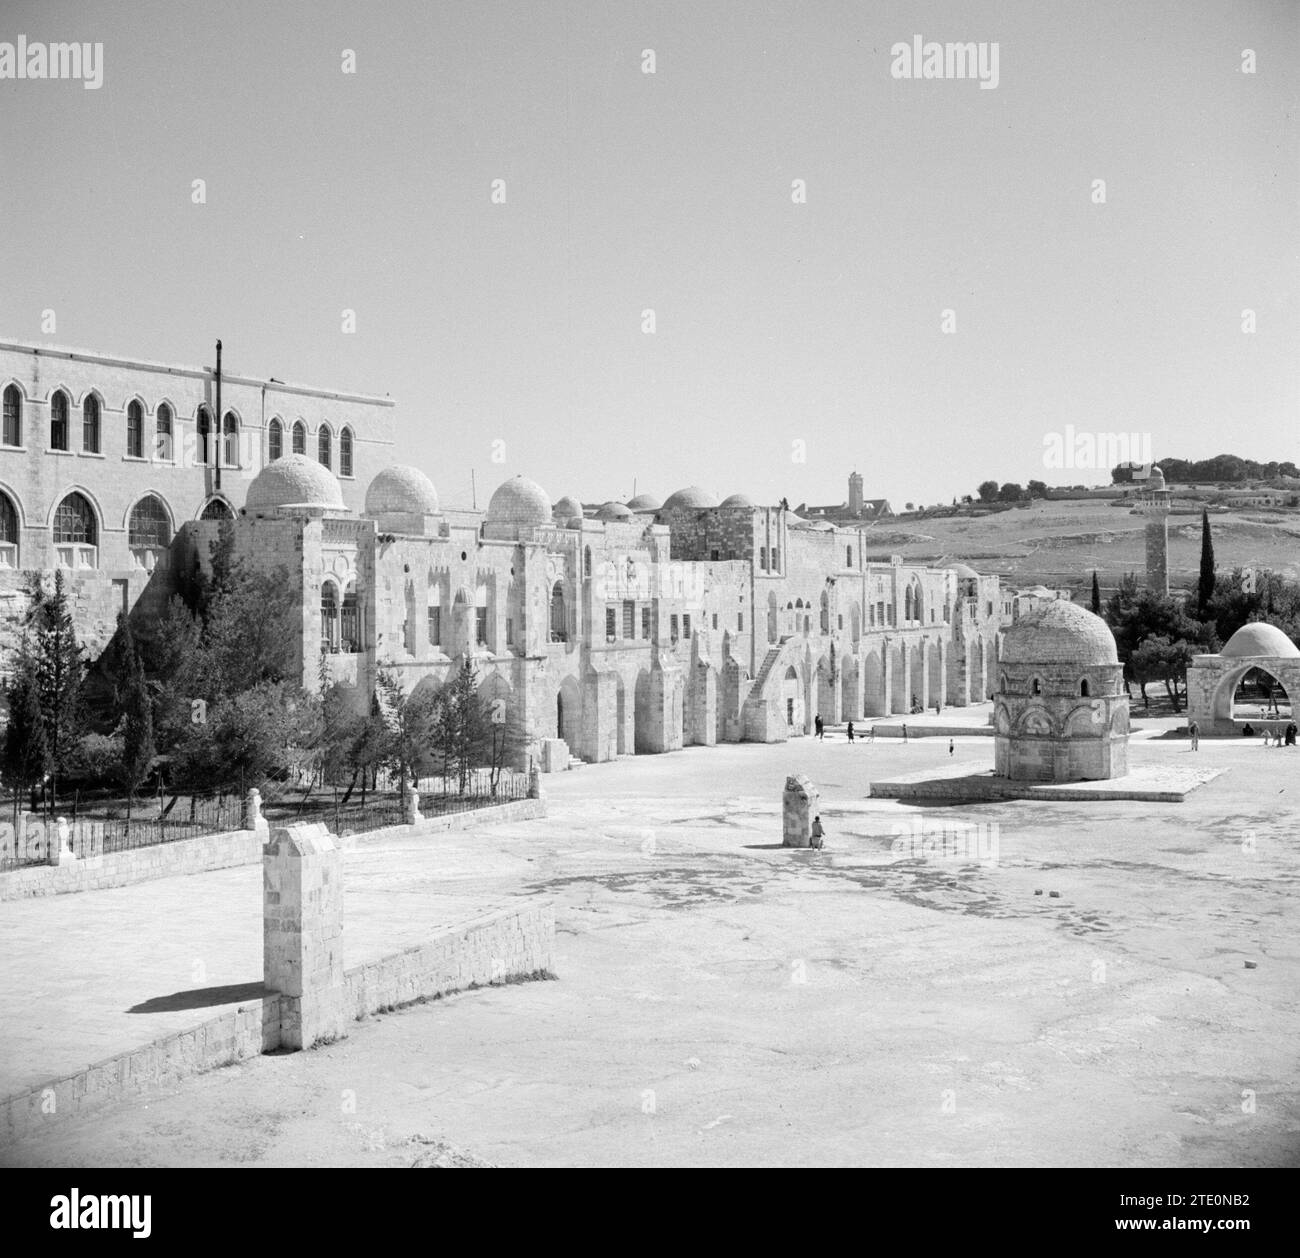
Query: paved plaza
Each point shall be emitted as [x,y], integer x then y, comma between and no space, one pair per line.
[1110,983]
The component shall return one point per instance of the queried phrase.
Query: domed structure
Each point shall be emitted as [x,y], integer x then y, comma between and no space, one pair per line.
[294,482]
[1157,478]
[518,506]
[644,502]
[565,510]
[693,498]
[1062,633]
[738,500]
[613,511]
[1258,639]
[1061,714]
[401,490]
[963,572]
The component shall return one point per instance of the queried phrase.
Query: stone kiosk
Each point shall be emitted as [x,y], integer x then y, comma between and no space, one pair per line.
[798,807]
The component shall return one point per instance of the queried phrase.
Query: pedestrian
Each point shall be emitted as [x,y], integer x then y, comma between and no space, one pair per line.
[850,731]
[1248,730]
[818,834]
[821,729]
[1194,731]
[950,746]
[905,731]
[1290,734]
[872,739]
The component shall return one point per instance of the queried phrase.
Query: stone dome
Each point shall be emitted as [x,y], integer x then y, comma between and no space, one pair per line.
[294,481]
[738,500]
[1061,633]
[613,511]
[1157,478]
[691,498]
[566,509]
[401,489]
[1259,638]
[644,502]
[963,572]
[519,504]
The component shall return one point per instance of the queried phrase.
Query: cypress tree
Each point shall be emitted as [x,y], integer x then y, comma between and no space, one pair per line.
[1096,594]
[138,749]
[1205,589]
[26,756]
[56,672]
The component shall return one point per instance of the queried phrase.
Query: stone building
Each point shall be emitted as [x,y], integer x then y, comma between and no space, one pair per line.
[620,629]
[1061,714]
[1257,651]
[104,459]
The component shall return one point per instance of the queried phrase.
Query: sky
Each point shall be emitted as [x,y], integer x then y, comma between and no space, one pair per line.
[794,339]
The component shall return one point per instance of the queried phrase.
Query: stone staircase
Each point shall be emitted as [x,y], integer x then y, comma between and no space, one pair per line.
[575,762]
[769,662]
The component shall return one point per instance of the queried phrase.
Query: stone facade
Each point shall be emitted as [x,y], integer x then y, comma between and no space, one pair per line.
[1212,680]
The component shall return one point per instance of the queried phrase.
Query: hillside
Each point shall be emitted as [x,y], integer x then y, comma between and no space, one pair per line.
[1060,543]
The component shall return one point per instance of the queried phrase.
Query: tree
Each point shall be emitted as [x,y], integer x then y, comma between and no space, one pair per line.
[410,721]
[1159,659]
[26,758]
[1011,492]
[52,658]
[1205,587]
[1037,489]
[1156,638]
[138,751]
[988,491]
[1096,594]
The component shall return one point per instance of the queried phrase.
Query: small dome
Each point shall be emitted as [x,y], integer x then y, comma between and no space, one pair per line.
[1062,633]
[1157,478]
[1259,638]
[613,511]
[692,498]
[738,500]
[963,572]
[401,489]
[644,502]
[518,504]
[566,509]
[294,481]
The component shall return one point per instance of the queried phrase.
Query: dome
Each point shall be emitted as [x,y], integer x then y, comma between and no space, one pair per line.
[566,509]
[692,498]
[1062,633]
[519,504]
[644,502]
[1259,638]
[294,481]
[738,500]
[401,489]
[963,572]
[613,511]
[1157,478]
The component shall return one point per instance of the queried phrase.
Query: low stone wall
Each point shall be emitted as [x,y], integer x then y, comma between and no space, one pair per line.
[246,1031]
[140,864]
[221,851]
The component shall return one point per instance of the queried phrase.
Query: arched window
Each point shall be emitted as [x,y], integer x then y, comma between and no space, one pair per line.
[586,562]
[218,509]
[76,533]
[90,424]
[1037,687]
[162,429]
[325,447]
[350,622]
[8,533]
[345,452]
[275,440]
[481,616]
[230,440]
[329,617]
[907,604]
[1083,688]
[559,614]
[135,429]
[150,525]
[59,421]
[848,556]
[300,438]
[826,613]
[13,420]
[205,436]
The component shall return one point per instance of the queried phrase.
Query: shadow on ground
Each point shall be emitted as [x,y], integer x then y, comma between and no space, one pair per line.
[201,998]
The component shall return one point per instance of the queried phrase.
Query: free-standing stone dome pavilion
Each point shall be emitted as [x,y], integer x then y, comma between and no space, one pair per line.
[1060,714]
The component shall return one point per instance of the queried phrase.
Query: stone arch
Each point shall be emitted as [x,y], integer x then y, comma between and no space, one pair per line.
[642,714]
[1034,720]
[559,614]
[793,701]
[568,712]
[827,699]
[875,699]
[216,508]
[850,689]
[1250,690]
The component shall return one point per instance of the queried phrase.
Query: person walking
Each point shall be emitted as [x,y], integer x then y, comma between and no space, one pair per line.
[950,746]
[1194,731]
[905,731]
[1290,734]
[850,731]
[821,729]
[818,834]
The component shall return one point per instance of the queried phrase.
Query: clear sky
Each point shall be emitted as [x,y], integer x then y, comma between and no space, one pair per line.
[776,322]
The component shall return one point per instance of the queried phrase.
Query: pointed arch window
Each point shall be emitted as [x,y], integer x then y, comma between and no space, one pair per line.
[275,440]
[325,447]
[350,621]
[13,416]
[8,533]
[134,429]
[345,452]
[300,438]
[76,533]
[149,532]
[163,433]
[559,614]
[230,440]
[204,428]
[90,424]
[329,618]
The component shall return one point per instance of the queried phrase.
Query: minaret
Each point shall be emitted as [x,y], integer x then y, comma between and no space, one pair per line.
[855,493]
[1154,504]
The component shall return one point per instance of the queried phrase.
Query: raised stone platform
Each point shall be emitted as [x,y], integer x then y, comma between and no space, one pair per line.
[1161,784]
[931,729]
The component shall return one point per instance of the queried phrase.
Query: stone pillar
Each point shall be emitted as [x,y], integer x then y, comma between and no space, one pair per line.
[799,805]
[411,806]
[252,818]
[534,781]
[61,850]
[302,932]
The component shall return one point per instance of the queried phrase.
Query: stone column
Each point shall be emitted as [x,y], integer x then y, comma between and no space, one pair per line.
[411,806]
[252,818]
[799,805]
[302,932]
